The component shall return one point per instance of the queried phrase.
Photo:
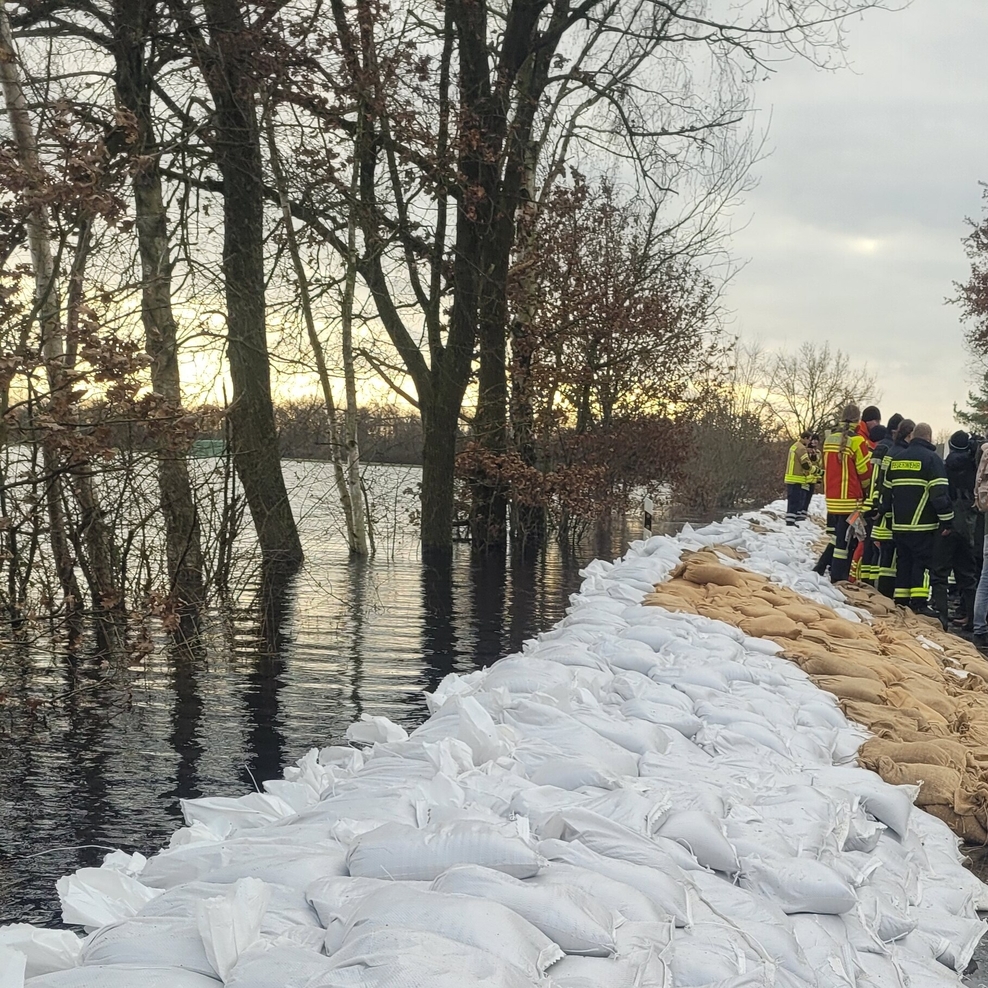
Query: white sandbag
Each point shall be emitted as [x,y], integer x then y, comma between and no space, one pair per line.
[13,964]
[277,962]
[832,959]
[630,809]
[615,896]
[482,924]
[635,686]
[703,836]
[641,971]
[568,916]
[891,805]
[283,863]
[527,674]
[607,837]
[230,923]
[154,941]
[387,957]
[475,728]
[335,899]
[569,735]
[961,933]
[798,885]
[224,815]
[91,897]
[702,961]
[662,713]
[398,852]
[371,729]
[565,772]
[286,907]
[124,976]
[889,921]
[44,951]
[669,894]
[638,736]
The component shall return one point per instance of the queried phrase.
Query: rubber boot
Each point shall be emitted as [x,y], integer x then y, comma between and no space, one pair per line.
[967,603]
[824,561]
[939,598]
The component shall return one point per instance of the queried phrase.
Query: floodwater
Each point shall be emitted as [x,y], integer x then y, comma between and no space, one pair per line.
[97,765]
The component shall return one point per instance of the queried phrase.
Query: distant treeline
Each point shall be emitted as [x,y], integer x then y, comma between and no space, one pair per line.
[386,434]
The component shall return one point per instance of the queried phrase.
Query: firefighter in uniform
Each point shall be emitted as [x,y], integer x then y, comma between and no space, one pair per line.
[867,569]
[882,530]
[916,499]
[955,552]
[799,475]
[883,567]
[846,476]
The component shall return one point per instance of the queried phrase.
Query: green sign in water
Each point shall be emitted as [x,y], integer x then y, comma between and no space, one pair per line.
[208,447]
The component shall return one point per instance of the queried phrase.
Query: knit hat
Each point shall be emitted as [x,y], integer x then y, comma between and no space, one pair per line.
[851,413]
[960,440]
[877,433]
[894,423]
[871,414]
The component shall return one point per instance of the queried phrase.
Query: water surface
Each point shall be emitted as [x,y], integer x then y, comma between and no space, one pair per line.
[101,765]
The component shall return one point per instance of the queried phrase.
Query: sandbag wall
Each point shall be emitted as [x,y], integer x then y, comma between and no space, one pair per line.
[922,692]
[644,797]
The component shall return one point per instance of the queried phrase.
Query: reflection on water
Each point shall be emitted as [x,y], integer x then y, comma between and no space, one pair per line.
[106,765]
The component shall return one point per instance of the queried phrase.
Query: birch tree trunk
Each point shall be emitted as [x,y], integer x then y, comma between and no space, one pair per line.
[318,354]
[46,305]
[354,485]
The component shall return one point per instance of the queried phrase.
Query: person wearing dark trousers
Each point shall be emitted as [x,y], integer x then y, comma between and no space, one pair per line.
[871,554]
[915,497]
[846,475]
[799,471]
[954,553]
[901,433]
[880,533]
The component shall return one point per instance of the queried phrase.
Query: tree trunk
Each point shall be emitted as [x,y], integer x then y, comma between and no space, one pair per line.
[439,421]
[237,150]
[318,354]
[46,304]
[356,494]
[179,514]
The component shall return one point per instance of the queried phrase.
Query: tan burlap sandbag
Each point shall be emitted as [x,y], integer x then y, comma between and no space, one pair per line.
[852,687]
[836,627]
[715,573]
[826,664]
[881,718]
[774,625]
[938,783]
[893,676]
[940,751]
[898,696]
[797,612]
[931,694]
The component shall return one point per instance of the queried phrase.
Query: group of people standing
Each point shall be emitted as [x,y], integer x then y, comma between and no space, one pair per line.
[899,516]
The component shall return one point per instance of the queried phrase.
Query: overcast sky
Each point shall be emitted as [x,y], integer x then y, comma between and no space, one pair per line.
[853,233]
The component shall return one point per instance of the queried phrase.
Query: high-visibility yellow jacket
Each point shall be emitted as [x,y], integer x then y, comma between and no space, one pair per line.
[846,471]
[799,467]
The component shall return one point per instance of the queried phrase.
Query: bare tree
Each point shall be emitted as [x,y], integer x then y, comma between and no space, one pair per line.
[807,389]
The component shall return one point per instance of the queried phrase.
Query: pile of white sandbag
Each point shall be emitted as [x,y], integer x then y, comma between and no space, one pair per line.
[640,799]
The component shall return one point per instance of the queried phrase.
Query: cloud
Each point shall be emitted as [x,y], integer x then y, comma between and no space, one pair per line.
[855,228]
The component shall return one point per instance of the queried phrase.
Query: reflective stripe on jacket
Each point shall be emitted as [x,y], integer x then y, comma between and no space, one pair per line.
[846,472]
[799,466]
[915,490]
